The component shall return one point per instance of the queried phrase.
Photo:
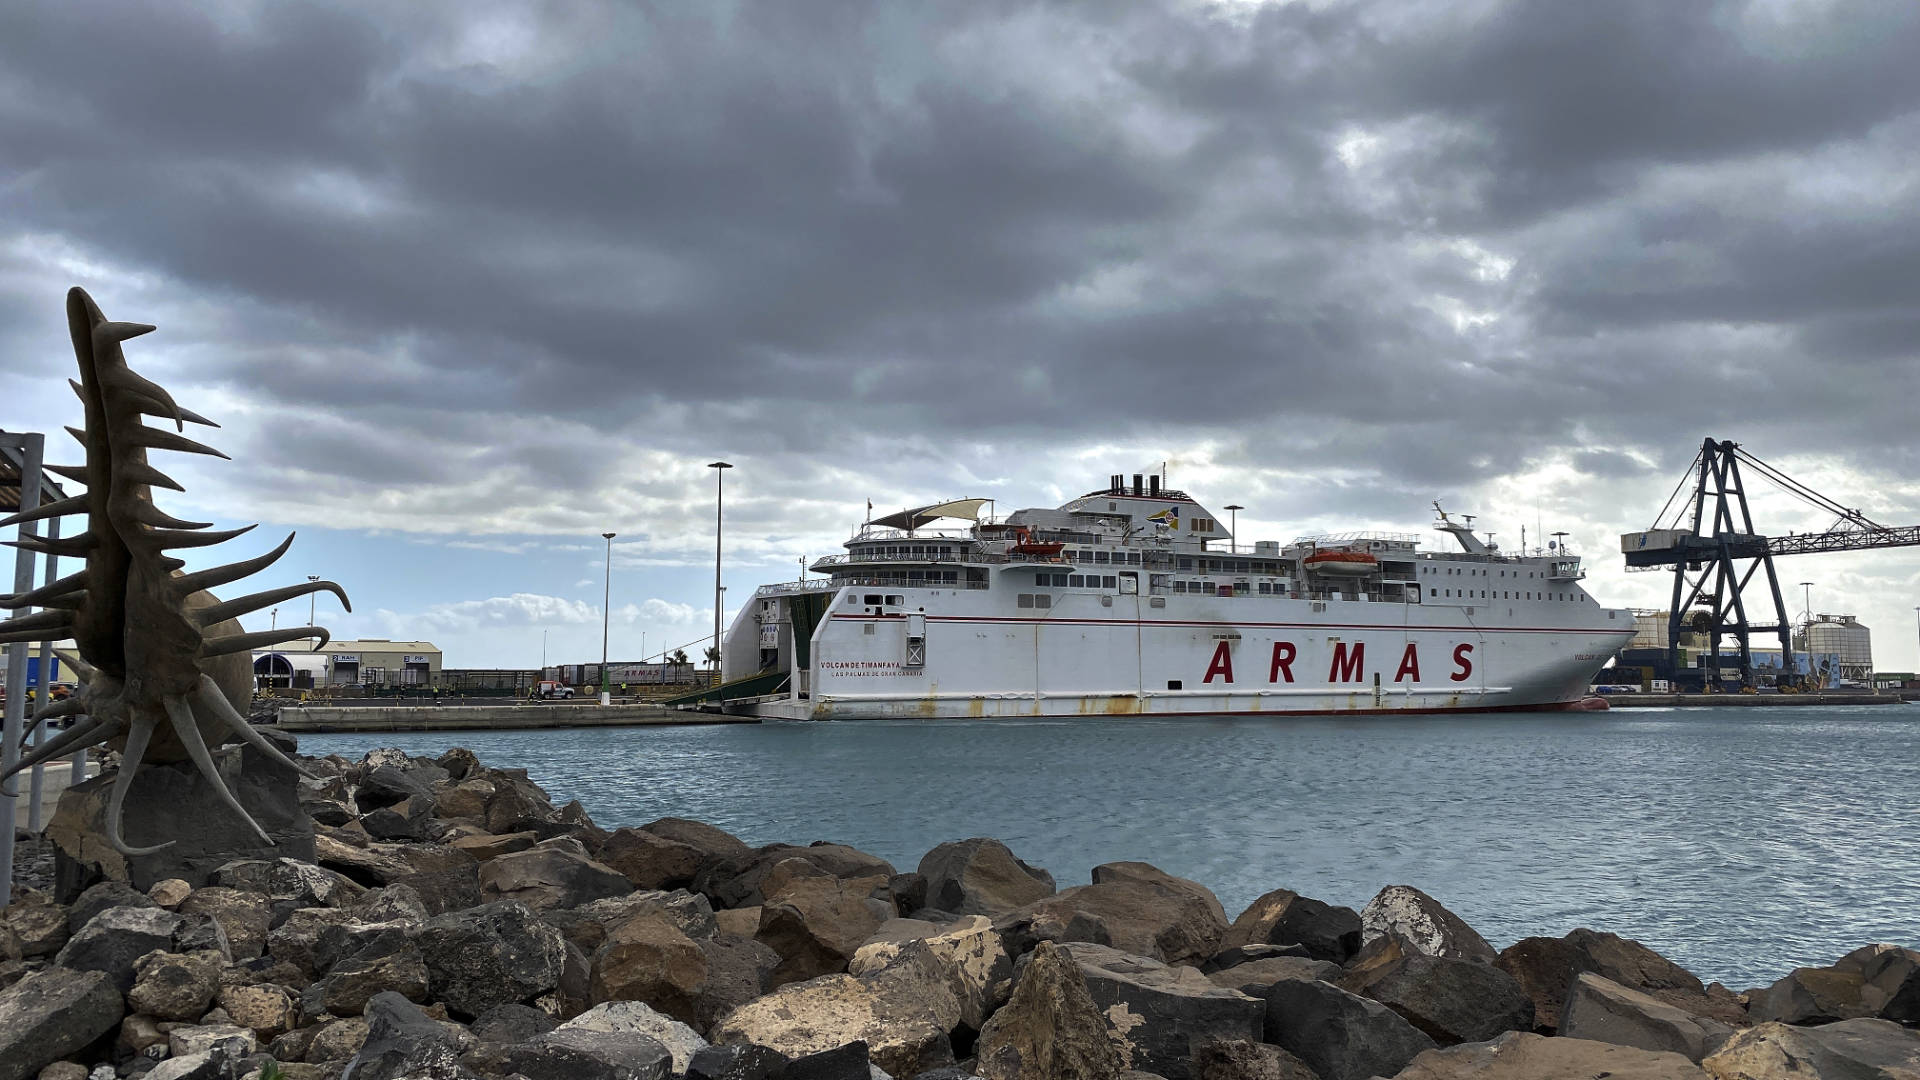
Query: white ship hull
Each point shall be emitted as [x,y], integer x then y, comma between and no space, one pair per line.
[1117,604]
[1194,656]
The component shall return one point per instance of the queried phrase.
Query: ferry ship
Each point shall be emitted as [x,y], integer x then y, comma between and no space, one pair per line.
[1136,599]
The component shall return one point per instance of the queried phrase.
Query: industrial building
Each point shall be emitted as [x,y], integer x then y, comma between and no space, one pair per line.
[1846,638]
[370,662]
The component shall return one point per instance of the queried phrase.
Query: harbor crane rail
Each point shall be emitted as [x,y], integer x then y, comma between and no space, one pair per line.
[1717,553]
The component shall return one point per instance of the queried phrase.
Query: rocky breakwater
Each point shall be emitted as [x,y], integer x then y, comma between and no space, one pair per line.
[452,923]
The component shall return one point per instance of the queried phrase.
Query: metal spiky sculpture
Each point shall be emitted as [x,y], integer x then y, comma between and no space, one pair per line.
[166,666]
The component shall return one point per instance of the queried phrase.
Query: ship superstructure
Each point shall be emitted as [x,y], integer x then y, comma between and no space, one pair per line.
[1136,599]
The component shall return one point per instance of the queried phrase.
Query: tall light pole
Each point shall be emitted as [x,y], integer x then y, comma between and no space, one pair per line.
[719,484]
[606,690]
[311,597]
[1233,528]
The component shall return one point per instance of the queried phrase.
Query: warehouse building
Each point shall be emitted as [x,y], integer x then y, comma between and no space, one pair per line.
[371,662]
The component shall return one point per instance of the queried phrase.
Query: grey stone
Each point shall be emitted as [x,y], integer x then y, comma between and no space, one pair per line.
[389,966]
[403,1041]
[623,1017]
[1545,969]
[552,874]
[1339,1035]
[712,841]
[1521,1055]
[100,897]
[490,955]
[1424,923]
[738,1061]
[173,986]
[980,877]
[649,860]
[1451,999]
[292,881]
[591,1055]
[1157,1012]
[1284,917]
[847,1062]
[1240,1059]
[511,1023]
[967,954]
[734,880]
[1860,1049]
[40,927]
[51,1014]
[245,917]
[1604,1011]
[116,938]
[1051,1027]
[1254,977]
[1877,981]
[820,1014]
[199,1038]
[1131,906]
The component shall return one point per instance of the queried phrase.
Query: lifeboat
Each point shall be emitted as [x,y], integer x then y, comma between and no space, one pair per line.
[1025,544]
[1354,563]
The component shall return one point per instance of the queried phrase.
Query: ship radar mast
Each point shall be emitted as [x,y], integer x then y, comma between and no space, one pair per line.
[1462,532]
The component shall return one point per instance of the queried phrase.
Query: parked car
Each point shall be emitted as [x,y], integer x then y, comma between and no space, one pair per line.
[549,688]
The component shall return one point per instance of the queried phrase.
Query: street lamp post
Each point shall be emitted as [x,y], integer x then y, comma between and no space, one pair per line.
[719,483]
[311,597]
[1233,528]
[606,689]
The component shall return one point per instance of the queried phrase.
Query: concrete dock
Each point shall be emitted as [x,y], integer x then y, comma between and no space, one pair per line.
[298,719]
[1735,701]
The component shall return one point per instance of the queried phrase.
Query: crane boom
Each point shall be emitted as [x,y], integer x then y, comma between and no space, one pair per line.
[1844,540]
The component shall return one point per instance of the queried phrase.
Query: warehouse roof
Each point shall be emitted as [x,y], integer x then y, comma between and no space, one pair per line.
[381,645]
[10,483]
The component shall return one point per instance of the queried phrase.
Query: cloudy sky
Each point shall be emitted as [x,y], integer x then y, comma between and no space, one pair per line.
[469,284]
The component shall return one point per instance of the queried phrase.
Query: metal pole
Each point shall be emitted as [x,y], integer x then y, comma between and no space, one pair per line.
[1233,540]
[719,476]
[606,690]
[38,734]
[31,447]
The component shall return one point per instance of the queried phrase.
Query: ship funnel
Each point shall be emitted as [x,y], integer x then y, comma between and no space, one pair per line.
[1154,485]
[1137,486]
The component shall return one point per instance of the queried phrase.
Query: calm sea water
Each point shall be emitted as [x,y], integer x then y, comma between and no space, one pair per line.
[1739,842]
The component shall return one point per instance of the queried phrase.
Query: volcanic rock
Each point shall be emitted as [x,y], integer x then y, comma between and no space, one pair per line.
[1131,906]
[649,860]
[1254,977]
[490,955]
[833,1010]
[98,898]
[403,1041]
[1451,999]
[1546,967]
[734,880]
[1242,1060]
[635,1017]
[576,1054]
[1339,1035]
[970,956]
[1050,1027]
[1423,923]
[265,1009]
[849,1062]
[1526,1056]
[170,986]
[244,916]
[1156,1012]
[116,938]
[1284,917]
[648,958]
[1604,1011]
[1868,1049]
[980,877]
[51,1014]
[1878,980]
[553,874]
[736,1061]
[38,928]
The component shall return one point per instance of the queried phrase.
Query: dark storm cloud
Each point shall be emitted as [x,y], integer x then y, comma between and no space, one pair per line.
[1413,240]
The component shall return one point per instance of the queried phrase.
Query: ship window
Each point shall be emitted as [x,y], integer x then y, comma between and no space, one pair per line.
[869,629]
[1180,587]
[1109,581]
[1158,601]
[1075,581]
[1133,558]
[1173,684]
[1265,589]
[891,599]
[1042,600]
[1185,563]
[1099,556]
[872,598]
[1024,600]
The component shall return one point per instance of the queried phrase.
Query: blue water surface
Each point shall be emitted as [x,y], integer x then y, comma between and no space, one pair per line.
[1739,842]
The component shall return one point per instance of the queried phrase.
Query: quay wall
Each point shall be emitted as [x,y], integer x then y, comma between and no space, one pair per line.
[298,719]
[1735,701]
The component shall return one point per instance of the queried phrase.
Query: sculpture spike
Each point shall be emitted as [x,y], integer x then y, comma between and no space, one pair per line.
[215,701]
[41,595]
[70,546]
[187,584]
[41,620]
[65,743]
[129,384]
[180,538]
[77,434]
[129,764]
[150,407]
[162,439]
[188,730]
[255,601]
[116,332]
[68,706]
[75,473]
[233,643]
[140,472]
[82,671]
[148,514]
[75,505]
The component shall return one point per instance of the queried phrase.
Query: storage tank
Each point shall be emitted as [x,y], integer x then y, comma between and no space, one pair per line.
[1649,629]
[1847,638]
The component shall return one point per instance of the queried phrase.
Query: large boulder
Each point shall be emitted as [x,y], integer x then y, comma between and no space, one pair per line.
[1546,968]
[712,841]
[1132,907]
[1876,981]
[737,1061]
[1525,1056]
[1050,1027]
[37,926]
[101,896]
[1157,1012]
[265,1009]
[114,940]
[646,957]
[1284,917]
[172,804]
[403,1041]
[980,877]
[973,962]
[556,873]
[386,965]
[1253,978]
[739,969]
[1604,1011]
[580,1054]
[1341,1036]
[490,955]
[1241,1060]
[174,986]
[246,917]
[635,1017]
[52,1014]
[1451,999]
[814,920]
[1866,1049]
[834,1010]
[649,860]
[1423,923]
[289,883]
[734,880]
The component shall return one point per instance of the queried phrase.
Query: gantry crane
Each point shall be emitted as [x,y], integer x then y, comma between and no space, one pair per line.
[1719,553]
